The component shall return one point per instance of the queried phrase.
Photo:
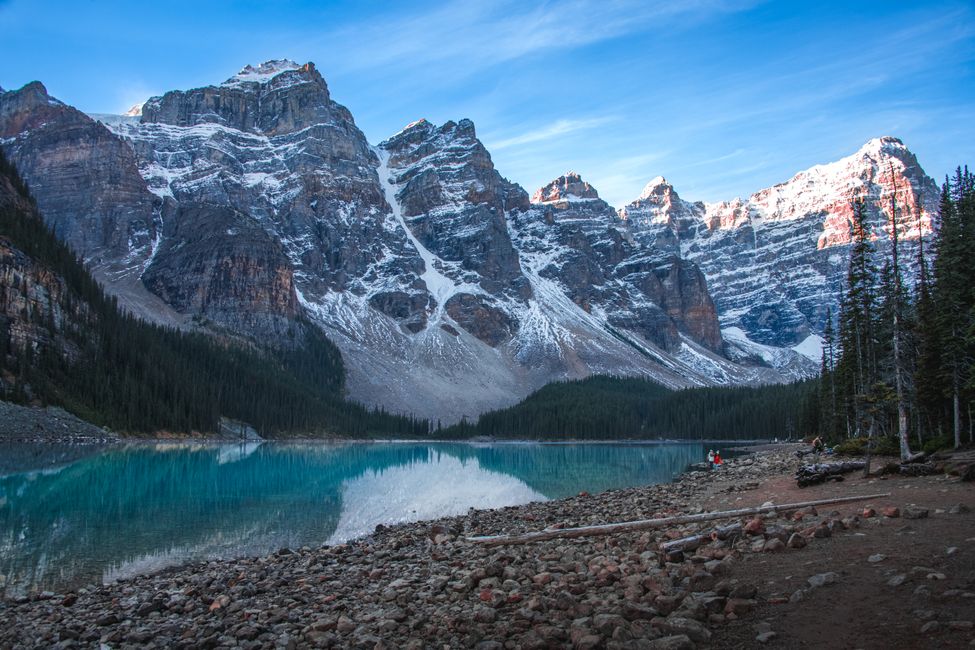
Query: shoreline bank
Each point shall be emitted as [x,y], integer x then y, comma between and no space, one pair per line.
[423,584]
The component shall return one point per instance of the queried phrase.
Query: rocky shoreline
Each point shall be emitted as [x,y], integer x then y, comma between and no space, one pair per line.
[50,424]
[424,585]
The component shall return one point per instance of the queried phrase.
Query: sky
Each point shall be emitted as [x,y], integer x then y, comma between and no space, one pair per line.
[722,97]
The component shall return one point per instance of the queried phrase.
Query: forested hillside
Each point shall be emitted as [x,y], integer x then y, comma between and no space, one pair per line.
[900,361]
[64,341]
[606,408]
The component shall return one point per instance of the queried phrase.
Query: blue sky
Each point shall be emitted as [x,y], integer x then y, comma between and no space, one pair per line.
[723,97]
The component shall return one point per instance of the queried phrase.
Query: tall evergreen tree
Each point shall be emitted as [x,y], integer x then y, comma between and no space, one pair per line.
[895,299]
[856,370]
[954,269]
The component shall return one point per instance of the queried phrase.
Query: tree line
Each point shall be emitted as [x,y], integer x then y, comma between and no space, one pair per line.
[606,408]
[113,369]
[900,360]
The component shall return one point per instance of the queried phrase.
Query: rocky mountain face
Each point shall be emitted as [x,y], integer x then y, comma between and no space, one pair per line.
[592,253]
[37,310]
[257,207]
[85,179]
[776,261]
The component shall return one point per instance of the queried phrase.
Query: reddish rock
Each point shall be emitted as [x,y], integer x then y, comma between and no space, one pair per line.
[891,511]
[755,526]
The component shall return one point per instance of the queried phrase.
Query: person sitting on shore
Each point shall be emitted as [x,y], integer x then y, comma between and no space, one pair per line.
[710,459]
[818,446]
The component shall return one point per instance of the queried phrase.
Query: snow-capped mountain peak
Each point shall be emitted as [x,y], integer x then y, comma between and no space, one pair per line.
[657,185]
[262,73]
[567,187]
[135,111]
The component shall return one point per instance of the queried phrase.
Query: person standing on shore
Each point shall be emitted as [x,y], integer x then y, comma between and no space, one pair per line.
[710,459]
[717,460]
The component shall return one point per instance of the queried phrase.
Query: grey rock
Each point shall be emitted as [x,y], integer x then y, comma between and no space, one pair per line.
[822,579]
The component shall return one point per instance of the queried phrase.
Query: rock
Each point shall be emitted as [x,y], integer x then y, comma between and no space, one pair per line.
[959,509]
[897,580]
[674,642]
[930,627]
[891,512]
[345,625]
[634,611]
[219,602]
[765,637]
[676,625]
[774,545]
[744,591]
[754,526]
[915,513]
[739,606]
[797,541]
[876,557]
[822,531]
[489,645]
[484,614]
[868,513]
[822,579]
[588,642]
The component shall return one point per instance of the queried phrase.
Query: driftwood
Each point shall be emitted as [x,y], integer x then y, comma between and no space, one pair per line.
[917,469]
[647,524]
[818,473]
[694,541]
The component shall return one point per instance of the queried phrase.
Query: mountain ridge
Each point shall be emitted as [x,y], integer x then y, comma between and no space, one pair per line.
[443,283]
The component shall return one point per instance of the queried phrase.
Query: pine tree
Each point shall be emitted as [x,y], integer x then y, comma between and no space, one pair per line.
[953,291]
[895,299]
[827,390]
[856,368]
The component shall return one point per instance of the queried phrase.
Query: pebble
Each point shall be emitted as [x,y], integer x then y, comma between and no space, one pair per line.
[897,580]
[823,579]
[876,557]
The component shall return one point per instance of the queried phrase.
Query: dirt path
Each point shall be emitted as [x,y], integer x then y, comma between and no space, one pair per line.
[935,555]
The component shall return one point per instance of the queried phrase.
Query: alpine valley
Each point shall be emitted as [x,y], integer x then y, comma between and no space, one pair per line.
[256,209]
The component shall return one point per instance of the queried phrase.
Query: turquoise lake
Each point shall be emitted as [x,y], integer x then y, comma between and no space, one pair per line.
[73,515]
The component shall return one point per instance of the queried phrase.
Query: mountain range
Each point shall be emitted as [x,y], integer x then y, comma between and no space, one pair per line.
[257,209]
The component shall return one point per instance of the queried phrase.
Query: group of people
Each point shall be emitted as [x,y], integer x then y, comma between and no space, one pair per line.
[714,459]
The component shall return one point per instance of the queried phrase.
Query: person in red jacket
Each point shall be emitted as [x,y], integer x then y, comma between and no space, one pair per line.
[717,460]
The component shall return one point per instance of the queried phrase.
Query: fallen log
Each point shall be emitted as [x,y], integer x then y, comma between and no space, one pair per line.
[692,542]
[819,473]
[663,522]
[917,469]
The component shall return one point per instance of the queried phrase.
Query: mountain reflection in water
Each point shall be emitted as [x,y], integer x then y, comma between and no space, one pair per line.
[137,508]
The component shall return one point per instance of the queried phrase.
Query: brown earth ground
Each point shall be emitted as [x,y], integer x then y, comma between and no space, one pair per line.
[861,610]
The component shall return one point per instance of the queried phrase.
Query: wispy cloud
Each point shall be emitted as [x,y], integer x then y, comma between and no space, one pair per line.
[475,35]
[558,128]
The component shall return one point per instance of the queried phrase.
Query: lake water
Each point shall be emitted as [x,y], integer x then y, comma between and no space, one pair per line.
[74,515]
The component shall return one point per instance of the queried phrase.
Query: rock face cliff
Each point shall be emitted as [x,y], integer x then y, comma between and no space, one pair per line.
[257,207]
[38,313]
[85,179]
[776,261]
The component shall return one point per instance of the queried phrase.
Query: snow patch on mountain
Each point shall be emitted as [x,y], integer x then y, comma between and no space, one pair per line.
[262,73]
